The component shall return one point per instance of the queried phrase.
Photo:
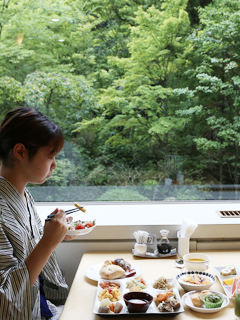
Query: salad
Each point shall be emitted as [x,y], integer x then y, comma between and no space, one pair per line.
[79,224]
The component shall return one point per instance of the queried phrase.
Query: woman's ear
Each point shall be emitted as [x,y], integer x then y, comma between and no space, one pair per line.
[19,151]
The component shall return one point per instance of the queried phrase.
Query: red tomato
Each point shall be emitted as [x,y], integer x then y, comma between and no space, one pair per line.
[89,224]
[79,226]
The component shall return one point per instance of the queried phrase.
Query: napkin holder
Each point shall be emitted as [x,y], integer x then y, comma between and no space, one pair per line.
[183,244]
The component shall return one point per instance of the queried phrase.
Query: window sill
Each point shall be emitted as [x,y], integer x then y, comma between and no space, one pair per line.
[118,220]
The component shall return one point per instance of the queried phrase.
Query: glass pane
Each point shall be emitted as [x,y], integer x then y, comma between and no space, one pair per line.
[147,95]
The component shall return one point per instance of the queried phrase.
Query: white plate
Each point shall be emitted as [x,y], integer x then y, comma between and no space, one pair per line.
[80,232]
[227,289]
[186,298]
[93,272]
[152,308]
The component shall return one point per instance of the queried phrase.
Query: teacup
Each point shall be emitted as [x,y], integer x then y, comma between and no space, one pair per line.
[196,261]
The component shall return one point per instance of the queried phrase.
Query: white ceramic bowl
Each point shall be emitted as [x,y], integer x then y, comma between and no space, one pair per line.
[199,287]
[196,265]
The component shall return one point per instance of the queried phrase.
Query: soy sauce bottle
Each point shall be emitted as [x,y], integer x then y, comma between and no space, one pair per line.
[164,245]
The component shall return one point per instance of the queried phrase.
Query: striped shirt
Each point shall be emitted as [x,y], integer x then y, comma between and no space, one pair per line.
[20,231]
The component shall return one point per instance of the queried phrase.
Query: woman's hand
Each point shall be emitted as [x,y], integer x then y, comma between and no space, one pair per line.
[55,230]
[69,238]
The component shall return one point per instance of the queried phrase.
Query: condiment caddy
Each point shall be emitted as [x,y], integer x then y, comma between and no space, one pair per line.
[147,246]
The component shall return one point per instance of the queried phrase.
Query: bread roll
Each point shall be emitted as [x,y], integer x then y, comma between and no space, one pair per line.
[111,272]
[196,300]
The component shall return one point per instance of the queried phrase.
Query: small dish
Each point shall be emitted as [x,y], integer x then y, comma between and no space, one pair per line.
[199,287]
[179,263]
[186,298]
[196,261]
[137,301]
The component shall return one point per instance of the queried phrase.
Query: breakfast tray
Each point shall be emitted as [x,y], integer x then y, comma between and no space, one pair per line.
[150,256]
[149,289]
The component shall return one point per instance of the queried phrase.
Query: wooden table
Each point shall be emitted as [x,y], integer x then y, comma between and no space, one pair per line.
[80,302]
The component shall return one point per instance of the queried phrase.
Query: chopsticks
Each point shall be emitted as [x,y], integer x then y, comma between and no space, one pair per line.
[49,217]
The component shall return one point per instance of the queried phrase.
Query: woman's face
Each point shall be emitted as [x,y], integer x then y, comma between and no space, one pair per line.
[41,166]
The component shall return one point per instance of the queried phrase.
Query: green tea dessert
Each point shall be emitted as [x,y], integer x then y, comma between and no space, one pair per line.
[212,301]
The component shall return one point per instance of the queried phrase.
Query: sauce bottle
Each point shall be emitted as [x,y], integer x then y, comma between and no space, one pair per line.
[164,245]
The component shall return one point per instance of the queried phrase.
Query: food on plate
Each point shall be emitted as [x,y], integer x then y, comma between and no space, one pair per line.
[105,302]
[136,284]
[197,298]
[163,296]
[103,309]
[80,207]
[213,300]
[229,282]
[116,307]
[228,270]
[113,294]
[123,264]
[109,284]
[111,272]
[115,269]
[79,224]
[166,302]
[106,306]
[196,279]
[162,283]
[235,286]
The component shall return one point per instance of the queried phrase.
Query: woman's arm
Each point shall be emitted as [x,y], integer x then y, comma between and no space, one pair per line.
[54,232]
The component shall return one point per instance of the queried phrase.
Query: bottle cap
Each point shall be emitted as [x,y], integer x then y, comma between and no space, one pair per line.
[164,233]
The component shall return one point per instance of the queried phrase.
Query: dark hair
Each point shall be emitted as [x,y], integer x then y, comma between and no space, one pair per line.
[31,128]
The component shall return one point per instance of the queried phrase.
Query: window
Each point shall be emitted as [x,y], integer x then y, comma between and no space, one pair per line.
[147,95]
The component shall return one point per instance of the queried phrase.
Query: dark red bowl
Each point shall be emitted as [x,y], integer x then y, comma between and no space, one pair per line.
[137,307]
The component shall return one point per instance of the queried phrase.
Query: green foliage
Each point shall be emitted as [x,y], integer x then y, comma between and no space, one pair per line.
[122,194]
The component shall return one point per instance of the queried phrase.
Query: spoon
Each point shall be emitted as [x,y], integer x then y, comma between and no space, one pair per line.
[179,263]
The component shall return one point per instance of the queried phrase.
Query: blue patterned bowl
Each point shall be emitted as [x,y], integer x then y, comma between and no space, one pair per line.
[190,286]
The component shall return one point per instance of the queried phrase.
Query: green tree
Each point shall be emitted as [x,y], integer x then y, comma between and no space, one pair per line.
[138,113]
[217,108]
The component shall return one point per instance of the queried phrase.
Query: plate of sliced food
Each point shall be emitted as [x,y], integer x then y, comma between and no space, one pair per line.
[113,269]
[227,276]
[138,296]
[205,301]
[79,227]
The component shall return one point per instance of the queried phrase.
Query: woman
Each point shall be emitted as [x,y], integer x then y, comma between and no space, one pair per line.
[31,282]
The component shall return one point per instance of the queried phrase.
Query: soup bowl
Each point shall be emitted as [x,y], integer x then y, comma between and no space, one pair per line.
[196,261]
[137,302]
